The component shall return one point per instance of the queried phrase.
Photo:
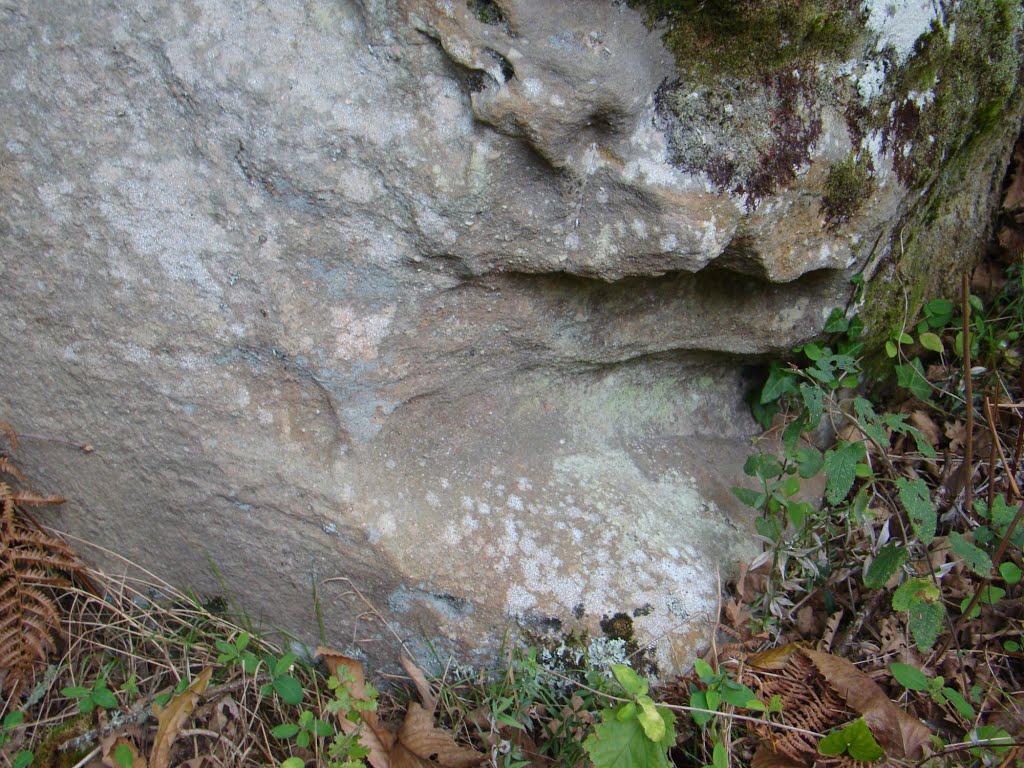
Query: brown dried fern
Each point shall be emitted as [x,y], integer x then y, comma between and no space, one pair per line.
[33,564]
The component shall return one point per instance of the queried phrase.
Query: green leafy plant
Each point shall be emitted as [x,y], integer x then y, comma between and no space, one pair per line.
[97,695]
[635,734]
[854,740]
[281,682]
[914,679]
[23,758]
[304,731]
[235,652]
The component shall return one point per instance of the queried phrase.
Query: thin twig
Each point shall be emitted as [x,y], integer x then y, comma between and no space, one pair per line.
[683,708]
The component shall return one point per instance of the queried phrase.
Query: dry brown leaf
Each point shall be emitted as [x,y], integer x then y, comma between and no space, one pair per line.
[420,681]
[417,740]
[335,660]
[928,427]
[173,717]
[831,627]
[899,734]
[421,739]
[773,658]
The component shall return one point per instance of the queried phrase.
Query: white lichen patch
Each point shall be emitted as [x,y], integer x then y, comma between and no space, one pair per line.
[899,23]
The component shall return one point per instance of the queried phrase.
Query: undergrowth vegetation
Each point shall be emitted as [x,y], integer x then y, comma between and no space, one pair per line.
[883,624]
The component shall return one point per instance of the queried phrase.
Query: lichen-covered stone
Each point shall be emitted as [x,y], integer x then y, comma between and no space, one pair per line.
[454,303]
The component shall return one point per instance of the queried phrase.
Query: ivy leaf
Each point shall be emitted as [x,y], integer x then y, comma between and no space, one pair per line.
[618,743]
[938,312]
[841,470]
[976,559]
[888,560]
[911,678]
[855,740]
[911,376]
[916,499]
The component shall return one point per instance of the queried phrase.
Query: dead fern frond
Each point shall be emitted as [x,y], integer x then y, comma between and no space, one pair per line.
[33,564]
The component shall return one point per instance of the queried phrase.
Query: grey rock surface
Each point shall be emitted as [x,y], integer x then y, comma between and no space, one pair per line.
[381,298]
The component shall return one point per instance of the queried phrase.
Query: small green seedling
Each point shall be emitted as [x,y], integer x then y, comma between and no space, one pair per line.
[235,653]
[304,731]
[854,740]
[914,679]
[98,695]
[282,683]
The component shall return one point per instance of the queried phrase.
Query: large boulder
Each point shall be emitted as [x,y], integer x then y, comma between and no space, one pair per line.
[449,308]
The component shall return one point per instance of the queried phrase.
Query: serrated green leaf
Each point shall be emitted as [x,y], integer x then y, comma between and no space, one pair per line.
[289,689]
[854,740]
[911,591]
[840,470]
[629,680]
[626,711]
[750,497]
[925,623]
[75,692]
[974,558]
[889,559]
[1010,572]
[809,462]
[652,722]
[916,499]
[911,678]
[23,759]
[618,743]
[791,486]
[813,351]
[812,397]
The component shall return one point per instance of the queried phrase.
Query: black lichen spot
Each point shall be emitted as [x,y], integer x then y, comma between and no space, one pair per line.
[543,624]
[618,627]
[487,11]
[644,610]
[578,610]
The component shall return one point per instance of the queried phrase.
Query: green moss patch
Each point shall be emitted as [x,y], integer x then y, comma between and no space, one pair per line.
[744,37]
